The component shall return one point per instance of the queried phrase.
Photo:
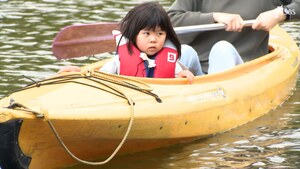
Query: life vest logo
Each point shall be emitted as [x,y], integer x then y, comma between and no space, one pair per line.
[172,57]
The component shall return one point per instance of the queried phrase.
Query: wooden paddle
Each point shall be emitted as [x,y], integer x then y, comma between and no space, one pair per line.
[91,39]
[84,40]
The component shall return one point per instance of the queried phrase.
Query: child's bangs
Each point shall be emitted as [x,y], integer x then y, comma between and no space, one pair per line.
[154,21]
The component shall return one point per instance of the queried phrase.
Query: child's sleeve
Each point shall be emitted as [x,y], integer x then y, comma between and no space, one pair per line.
[112,66]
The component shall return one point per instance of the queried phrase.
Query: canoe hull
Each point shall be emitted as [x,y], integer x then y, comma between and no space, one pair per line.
[91,121]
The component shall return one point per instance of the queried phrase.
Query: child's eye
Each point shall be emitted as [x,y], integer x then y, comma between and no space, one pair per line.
[146,33]
[161,33]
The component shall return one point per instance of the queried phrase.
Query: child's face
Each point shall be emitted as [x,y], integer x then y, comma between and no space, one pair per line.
[151,41]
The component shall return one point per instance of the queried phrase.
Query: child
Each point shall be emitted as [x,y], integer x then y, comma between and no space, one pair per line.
[147,45]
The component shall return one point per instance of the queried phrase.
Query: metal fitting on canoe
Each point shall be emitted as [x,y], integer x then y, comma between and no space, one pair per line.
[18,106]
[87,71]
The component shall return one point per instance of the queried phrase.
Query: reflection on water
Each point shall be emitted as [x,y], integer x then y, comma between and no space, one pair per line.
[27,29]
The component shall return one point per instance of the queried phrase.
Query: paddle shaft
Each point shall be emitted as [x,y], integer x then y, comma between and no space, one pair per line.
[206,27]
[91,39]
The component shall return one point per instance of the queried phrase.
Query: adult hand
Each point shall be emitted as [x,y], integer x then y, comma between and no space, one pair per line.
[186,74]
[234,22]
[267,20]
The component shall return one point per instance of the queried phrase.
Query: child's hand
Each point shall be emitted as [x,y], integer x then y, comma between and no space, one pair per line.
[69,69]
[186,74]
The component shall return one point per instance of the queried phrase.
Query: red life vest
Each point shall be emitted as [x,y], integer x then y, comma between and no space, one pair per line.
[134,65]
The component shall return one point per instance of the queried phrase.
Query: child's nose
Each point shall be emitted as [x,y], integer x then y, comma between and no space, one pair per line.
[153,38]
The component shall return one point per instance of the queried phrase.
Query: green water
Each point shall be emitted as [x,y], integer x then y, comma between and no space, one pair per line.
[27,29]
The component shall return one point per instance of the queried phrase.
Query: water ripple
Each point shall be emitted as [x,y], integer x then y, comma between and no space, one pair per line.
[26,35]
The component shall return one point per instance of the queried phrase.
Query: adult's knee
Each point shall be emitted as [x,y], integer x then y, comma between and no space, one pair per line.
[189,57]
[222,45]
[223,49]
[188,51]
[189,54]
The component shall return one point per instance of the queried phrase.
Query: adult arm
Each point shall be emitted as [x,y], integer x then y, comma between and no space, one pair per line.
[267,20]
[295,5]
[189,12]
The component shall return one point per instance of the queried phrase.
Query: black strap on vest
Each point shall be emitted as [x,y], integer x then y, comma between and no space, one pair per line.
[149,71]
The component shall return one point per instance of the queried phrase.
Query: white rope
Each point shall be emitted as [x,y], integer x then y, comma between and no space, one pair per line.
[114,152]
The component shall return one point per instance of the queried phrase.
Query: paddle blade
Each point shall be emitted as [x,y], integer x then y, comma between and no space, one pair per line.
[84,40]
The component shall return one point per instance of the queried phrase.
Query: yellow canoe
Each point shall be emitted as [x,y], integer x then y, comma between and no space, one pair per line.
[94,114]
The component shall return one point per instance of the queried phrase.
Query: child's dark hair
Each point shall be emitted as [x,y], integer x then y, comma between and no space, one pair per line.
[147,15]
